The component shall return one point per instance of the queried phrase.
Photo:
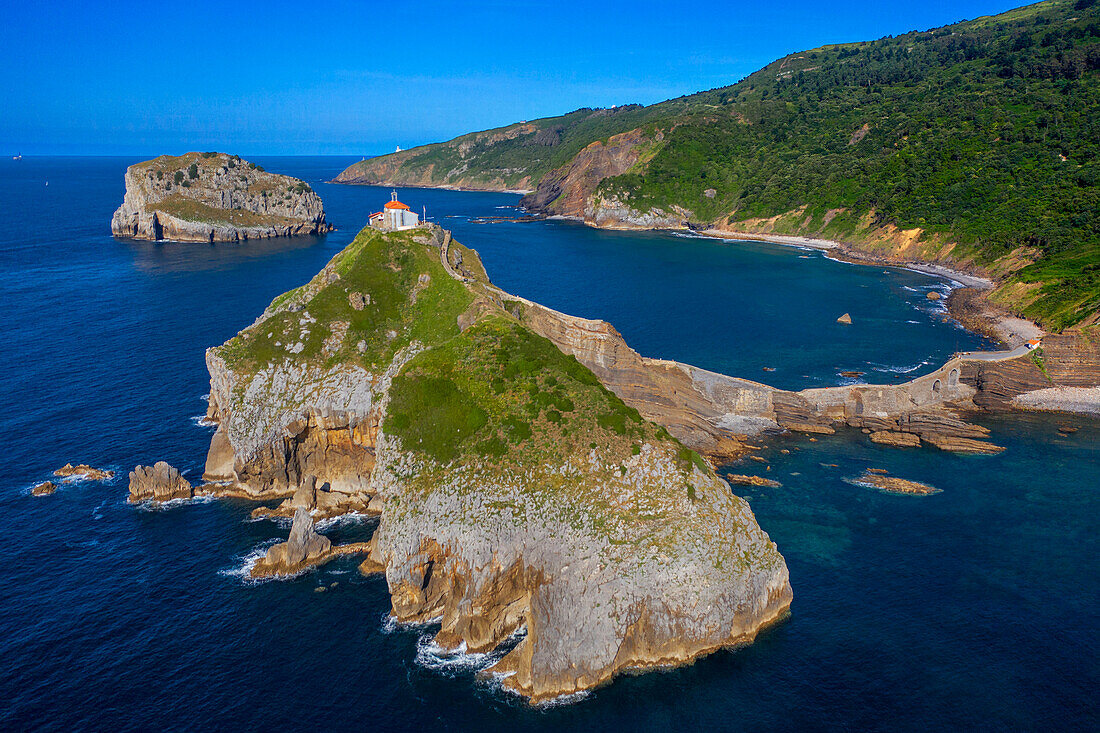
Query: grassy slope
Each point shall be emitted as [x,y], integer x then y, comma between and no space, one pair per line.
[482,157]
[966,130]
[496,390]
[385,267]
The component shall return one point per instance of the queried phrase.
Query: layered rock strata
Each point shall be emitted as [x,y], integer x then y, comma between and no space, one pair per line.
[214,197]
[515,493]
[159,482]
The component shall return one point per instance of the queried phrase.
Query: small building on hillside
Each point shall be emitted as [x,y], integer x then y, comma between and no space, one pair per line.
[394,216]
[1034,343]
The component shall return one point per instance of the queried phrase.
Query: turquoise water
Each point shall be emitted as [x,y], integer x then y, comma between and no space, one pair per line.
[975,607]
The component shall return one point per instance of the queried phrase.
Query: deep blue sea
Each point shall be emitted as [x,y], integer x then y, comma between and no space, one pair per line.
[974,608]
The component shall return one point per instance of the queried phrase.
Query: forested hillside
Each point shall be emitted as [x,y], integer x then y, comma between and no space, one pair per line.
[983,135]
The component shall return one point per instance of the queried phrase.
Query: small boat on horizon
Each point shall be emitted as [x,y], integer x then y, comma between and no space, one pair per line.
[17,156]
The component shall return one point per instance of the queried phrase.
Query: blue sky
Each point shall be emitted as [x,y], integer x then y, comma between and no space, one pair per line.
[360,78]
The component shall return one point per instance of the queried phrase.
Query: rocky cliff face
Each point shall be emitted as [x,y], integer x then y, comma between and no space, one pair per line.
[571,190]
[517,495]
[214,197]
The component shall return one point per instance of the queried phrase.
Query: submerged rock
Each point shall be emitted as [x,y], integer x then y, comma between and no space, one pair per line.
[893,485]
[44,489]
[84,472]
[159,482]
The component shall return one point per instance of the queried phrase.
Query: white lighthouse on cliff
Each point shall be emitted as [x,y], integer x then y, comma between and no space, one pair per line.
[394,216]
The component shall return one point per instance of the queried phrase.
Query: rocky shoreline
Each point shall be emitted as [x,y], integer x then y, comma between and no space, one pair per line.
[313,431]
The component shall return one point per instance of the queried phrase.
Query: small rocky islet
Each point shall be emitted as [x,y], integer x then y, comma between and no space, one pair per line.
[515,492]
[71,473]
[878,479]
[214,197]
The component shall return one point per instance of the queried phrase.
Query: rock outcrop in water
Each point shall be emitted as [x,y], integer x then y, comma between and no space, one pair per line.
[84,472]
[43,489]
[214,197]
[894,485]
[517,494]
[303,548]
[159,482]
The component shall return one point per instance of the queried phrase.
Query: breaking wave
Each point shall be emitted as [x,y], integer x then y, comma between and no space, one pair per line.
[242,571]
[696,235]
[888,369]
[431,655]
[150,505]
[390,624]
[351,518]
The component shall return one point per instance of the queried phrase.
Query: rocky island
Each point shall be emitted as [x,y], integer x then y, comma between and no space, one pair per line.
[516,494]
[214,197]
[531,473]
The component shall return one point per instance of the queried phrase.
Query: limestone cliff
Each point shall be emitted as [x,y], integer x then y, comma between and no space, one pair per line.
[572,190]
[516,493]
[214,197]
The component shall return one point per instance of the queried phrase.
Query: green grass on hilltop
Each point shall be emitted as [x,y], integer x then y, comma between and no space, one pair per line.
[499,387]
[385,267]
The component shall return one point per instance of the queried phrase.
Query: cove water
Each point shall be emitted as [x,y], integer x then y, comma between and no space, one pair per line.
[975,607]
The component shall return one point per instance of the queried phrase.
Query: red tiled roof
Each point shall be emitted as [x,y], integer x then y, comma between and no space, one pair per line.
[395,205]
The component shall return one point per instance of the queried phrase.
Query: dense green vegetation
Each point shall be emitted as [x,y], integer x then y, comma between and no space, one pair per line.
[985,135]
[497,387]
[988,132]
